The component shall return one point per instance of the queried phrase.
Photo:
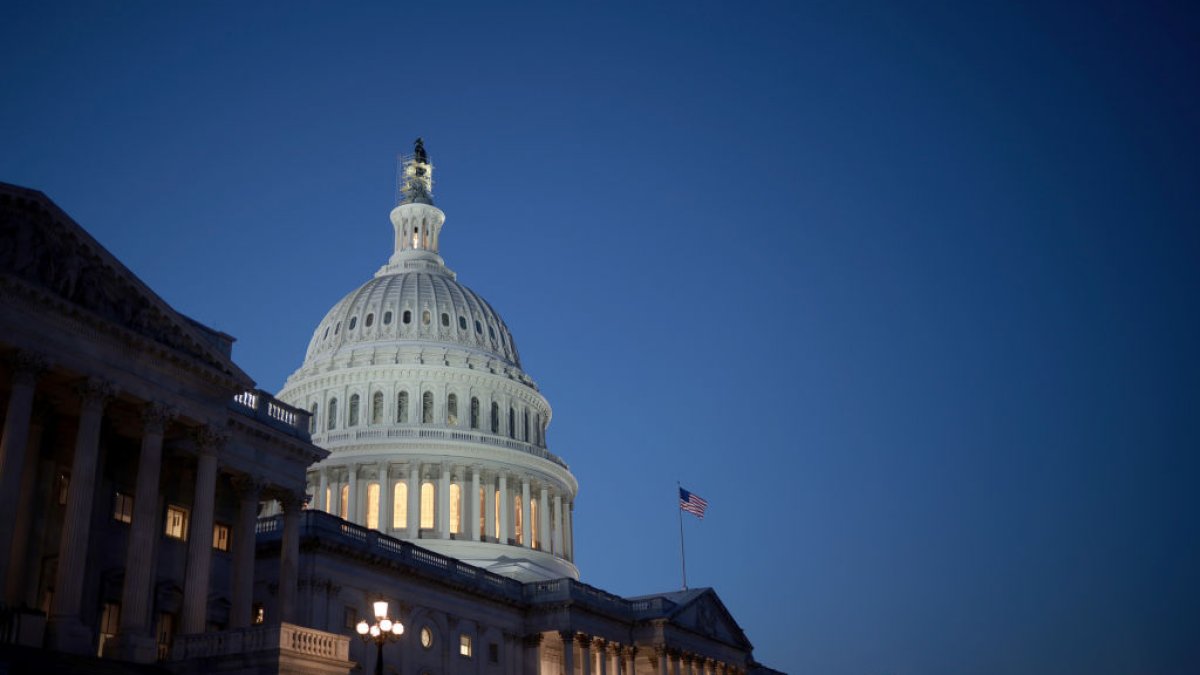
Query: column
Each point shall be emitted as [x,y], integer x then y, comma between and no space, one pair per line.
[473,512]
[630,655]
[558,527]
[443,511]
[568,655]
[385,498]
[674,658]
[585,654]
[661,652]
[602,654]
[24,548]
[544,519]
[135,642]
[65,630]
[526,517]
[242,603]
[532,658]
[200,535]
[322,503]
[688,661]
[568,532]
[351,513]
[489,507]
[459,478]
[289,556]
[13,444]
[414,500]
[503,507]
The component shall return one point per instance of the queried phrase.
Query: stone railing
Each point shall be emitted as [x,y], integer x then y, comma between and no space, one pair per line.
[378,434]
[284,637]
[265,408]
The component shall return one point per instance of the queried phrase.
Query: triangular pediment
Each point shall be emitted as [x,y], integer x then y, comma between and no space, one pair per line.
[706,614]
[44,250]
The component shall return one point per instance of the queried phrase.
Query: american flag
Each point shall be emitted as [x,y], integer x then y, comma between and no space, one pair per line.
[692,503]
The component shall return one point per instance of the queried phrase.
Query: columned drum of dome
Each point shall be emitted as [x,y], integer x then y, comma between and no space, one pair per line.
[435,432]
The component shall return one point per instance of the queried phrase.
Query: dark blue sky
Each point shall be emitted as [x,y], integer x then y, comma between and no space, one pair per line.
[908,292]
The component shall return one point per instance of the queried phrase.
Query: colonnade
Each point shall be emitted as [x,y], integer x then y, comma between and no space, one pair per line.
[591,655]
[486,508]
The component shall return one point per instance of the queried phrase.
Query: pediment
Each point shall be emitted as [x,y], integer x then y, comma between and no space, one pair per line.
[46,249]
[706,615]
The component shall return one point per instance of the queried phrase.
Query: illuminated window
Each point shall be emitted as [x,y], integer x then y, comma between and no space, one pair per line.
[258,616]
[427,408]
[427,505]
[517,524]
[452,409]
[110,620]
[344,498]
[352,412]
[387,318]
[329,499]
[445,320]
[474,413]
[177,522]
[426,637]
[312,420]
[464,645]
[496,515]
[220,537]
[373,506]
[406,317]
[462,323]
[482,514]
[455,508]
[123,508]
[332,414]
[64,485]
[377,407]
[402,407]
[400,506]
[534,538]
[369,320]
[425,317]
[353,322]
[495,417]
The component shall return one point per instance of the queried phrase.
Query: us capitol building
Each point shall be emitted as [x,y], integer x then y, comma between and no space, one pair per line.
[177,519]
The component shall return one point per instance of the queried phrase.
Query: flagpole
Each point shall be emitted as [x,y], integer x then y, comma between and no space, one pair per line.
[682,550]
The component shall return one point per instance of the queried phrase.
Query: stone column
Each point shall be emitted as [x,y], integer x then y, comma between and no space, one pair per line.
[568,655]
[249,492]
[385,498]
[602,655]
[24,548]
[13,445]
[674,658]
[585,654]
[489,507]
[65,631]
[289,556]
[688,663]
[544,519]
[558,527]
[414,500]
[473,512]
[352,501]
[630,655]
[322,488]
[569,531]
[200,534]
[503,508]
[135,642]
[464,502]
[443,503]
[532,658]
[526,518]
[661,653]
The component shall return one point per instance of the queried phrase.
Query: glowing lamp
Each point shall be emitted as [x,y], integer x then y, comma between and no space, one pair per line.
[362,628]
[385,625]
[381,609]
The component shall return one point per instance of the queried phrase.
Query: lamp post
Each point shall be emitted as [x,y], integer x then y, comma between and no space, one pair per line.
[383,630]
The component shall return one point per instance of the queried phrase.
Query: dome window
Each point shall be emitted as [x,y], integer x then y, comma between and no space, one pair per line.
[377,408]
[495,417]
[402,408]
[326,336]
[427,408]
[425,317]
[474,413]
[445,320]
[451,408]
[332,414]
[407,317]
[462,323]
[337,328]
[512,423]
[369,320]
[312,419]
[387,318]
[353,322]
[478,328]
[352,412]
[492,333]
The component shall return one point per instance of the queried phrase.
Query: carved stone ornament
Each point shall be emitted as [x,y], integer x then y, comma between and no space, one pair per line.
[27,366]
[290,500]
[248,487]
[210,438]
[156,416]
[95,391]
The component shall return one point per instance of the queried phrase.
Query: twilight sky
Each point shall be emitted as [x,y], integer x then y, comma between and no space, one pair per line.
[909,292]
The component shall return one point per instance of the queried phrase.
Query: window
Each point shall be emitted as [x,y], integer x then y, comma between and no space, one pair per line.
[406,317]
[337,328]
[462,323]
[344,498]
[464,645]
[512,422]
[452,410]
[427,408]
[369,320]
[455,508]
[352,412]
[258,616]
[445,320]
[478,328]
[400,506]
[332,414]
[164,632]
[123,508]
[329,499]
[373,506]
[377,407]
[326,335]
[425,317]
[110,620]
[518,528]
[349,617]
[353,322]
[474,413]
[402,407]
[64,484]
[387,318]
[426,637]
[533,523]
[312,420]
[427,505]
[495,417]
[482,513]
[496,515]
[220,537]
[177,522]
[492,333]
[494,652]
[525,435]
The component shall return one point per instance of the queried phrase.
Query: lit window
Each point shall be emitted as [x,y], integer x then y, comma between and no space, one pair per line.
[258,616]
[164,631]
[400,506]
[344,498]
[455,508]
[387,318]
[352,413]
[452,409]
[123,508]
[377,407]
[464,645]
[445,320]
[482,513]
[426,637]
[332,414]
[462,323]
[220,537]
[407,317]
[353,322]
[64,485]
[177,522]
[427,505]
[517,524]
[110,620]
[496,515]
[373,506]
[369,320]
[427,408]
[534,539]
[402,407]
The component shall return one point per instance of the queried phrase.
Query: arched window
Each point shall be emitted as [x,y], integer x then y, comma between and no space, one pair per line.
[495,417]
[353,322]
[337,328]
[400,506]
[332,414]
[455,508]
[445,320]
[387,318]
[407,317]
[377,408]
[402,407]
[372,506]
[427,495]
[312,420]
[425,317]
[496,515]
[534,538]
[369,321]
[474,413]
[478,328]
[492,333]
[517,524]
[512,422]
[452,410]
[427,408]
[326,336]
[352,412]
[537,425]
[344,498]
[482,511]
[462,323]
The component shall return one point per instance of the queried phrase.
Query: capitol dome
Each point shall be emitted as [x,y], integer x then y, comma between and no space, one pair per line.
[435,432]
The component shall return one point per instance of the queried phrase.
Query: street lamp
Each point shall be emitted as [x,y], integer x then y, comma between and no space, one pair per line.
[383,630]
